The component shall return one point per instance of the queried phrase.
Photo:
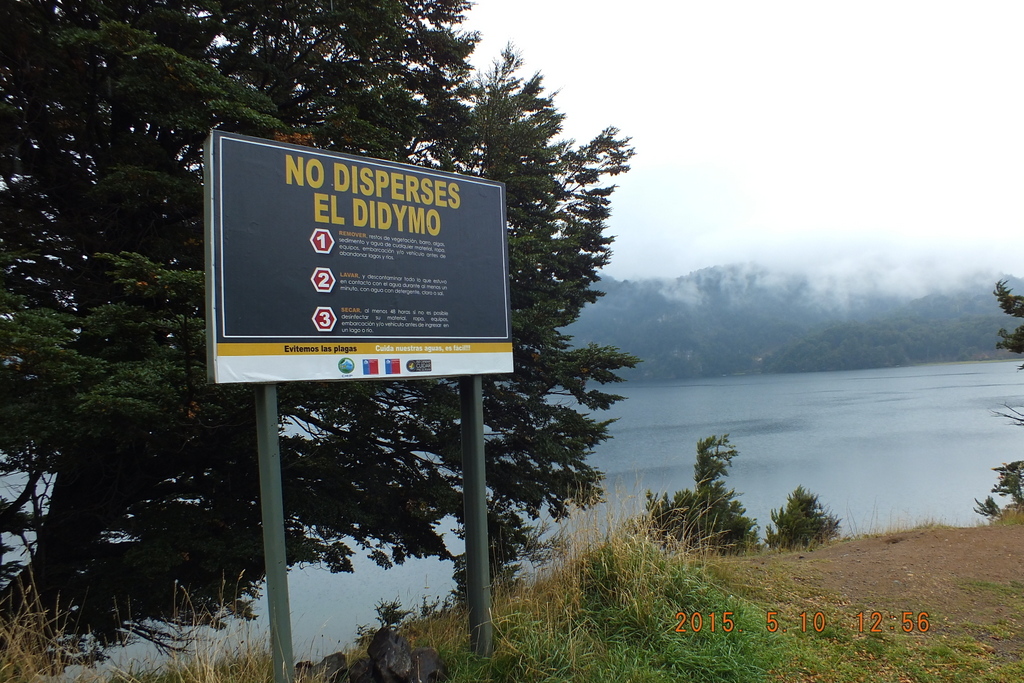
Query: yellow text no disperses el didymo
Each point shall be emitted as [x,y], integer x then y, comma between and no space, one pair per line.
[401,200]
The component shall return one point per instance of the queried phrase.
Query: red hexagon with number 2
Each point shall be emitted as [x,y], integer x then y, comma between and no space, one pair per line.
[323,279]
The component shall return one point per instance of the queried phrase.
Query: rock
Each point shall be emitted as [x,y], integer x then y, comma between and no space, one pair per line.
[360,672]
[391,661]
[427,666]
[331,669]
[391,657]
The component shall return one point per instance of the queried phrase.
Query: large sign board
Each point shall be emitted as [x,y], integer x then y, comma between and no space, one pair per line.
[325,266]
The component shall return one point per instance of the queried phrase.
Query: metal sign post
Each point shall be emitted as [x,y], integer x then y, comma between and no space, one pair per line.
[274,552]
[474,498]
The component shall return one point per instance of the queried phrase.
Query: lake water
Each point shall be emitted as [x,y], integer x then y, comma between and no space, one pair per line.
[881,448]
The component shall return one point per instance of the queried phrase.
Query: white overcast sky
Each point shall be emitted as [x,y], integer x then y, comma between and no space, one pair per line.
[796,134]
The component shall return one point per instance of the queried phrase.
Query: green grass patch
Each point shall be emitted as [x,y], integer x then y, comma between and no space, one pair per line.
[1013,589]
[612,612]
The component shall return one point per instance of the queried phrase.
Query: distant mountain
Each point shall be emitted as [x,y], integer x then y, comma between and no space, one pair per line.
[747,319]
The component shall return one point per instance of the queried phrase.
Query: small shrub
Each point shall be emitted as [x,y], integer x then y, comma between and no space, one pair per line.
[803,523]
[1011,483]
[709,515]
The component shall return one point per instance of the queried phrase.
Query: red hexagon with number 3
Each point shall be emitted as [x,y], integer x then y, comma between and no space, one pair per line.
[324,318]
[323,279]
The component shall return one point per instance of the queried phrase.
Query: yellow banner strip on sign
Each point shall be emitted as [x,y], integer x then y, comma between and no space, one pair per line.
[321,348]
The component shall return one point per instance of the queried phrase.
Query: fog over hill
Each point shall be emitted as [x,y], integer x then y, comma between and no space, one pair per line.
[748,318]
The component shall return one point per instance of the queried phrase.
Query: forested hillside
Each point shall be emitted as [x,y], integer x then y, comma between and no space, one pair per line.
[746,319]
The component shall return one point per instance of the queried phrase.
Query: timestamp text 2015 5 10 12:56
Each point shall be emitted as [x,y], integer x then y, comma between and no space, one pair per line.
[864,622]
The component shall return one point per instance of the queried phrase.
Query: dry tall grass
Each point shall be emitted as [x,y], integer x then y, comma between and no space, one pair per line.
[36,647]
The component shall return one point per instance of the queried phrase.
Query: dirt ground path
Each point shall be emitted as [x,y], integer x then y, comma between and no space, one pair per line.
[969,580]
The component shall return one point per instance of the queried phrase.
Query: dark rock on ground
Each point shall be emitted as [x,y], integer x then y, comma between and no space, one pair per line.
[331,669]
[360,671]
[391,661]
[427,666]
[391,657]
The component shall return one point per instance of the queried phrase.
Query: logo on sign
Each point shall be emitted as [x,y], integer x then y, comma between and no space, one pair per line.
[393,366]
[371,366]
[419,365]
[346,365]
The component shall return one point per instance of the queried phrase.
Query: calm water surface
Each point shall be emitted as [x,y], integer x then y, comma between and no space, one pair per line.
[880,447]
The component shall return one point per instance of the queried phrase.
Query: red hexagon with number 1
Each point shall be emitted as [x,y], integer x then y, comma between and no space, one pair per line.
[324,318]
[322,241]
[323,279]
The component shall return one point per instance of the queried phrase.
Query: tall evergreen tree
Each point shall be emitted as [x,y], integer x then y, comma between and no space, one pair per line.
[134,475]
[1012,304]
[556,210]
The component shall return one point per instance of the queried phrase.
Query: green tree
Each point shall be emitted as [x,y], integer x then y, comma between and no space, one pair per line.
[802,523]
[136,477]
[556,210]
[1010,483]
[1011,476]
[1012,304]
[708,515]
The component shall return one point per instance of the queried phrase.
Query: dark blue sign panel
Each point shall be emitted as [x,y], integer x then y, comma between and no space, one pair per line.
[329,266]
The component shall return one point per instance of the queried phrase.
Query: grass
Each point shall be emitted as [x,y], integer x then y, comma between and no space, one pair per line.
[35,648]
[609,609]
[32,646]
[616,606]
[600,613]
[846,650]
[237,667]
[1010,516]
